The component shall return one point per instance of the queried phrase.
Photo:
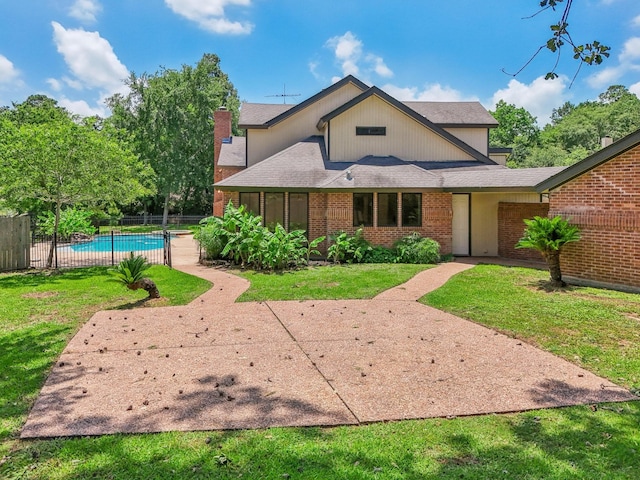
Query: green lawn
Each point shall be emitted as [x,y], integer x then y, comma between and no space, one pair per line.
[328,282]
[38,313]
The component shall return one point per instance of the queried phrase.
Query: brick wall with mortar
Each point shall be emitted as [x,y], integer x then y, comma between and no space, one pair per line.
[511,228]
[437,213]
[605,204]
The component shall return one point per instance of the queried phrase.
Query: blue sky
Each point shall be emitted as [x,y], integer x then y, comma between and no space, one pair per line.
[78,51]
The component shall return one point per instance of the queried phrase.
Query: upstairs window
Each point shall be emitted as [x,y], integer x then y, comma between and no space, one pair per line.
[371,130]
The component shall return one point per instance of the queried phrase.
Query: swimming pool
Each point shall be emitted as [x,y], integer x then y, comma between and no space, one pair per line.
[121,243]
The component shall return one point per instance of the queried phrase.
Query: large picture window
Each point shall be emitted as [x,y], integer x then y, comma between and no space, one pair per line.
[251,201]
[387,209]
[362,209]
[298,211]
[273,209]
[411,210]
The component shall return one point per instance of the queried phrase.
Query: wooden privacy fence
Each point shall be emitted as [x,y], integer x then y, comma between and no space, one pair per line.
[15,243]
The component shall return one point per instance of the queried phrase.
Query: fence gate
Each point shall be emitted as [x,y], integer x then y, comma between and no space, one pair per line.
[15,243]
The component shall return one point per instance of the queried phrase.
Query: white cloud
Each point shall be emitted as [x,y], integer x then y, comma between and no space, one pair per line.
[348,50]
[628,60]
[631,50]
[379,66]
[606,76]
[81,107]
[636,21]
[55,84]
[8,72]
[210,15]
[431,92]
[539,98]
[90,59]
[85,10]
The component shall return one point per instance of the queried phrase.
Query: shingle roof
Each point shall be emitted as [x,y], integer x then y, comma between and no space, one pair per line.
[233,154]
[299,166]
[304,166]
[285,113]
[260,113]
[443,114]
[499,178]
[454,113]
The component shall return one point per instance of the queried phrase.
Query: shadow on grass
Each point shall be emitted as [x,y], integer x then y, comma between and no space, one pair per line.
[35,278]
[26,356]
[577,442]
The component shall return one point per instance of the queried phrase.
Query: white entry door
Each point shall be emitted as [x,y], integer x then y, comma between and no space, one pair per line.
[461,224]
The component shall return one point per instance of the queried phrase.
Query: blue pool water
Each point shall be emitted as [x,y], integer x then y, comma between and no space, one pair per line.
[121,243]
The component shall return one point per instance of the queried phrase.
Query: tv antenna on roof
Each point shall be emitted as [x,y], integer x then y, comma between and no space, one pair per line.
[284,94]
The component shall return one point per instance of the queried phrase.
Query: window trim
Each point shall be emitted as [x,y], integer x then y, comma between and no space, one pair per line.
[353,209]
[419,224]
[372,130]
[289,210]
[391,195]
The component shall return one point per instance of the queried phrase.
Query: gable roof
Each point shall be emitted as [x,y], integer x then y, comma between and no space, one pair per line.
[454,114]
[375,91]
[608,153]
[304,167]
[256,117]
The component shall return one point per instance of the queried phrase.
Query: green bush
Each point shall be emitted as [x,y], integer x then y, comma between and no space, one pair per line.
[71,221]
[348,248]
[239,237]
[379,254]
[416,249]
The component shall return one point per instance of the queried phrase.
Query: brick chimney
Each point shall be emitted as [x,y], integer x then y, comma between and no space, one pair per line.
[221,130]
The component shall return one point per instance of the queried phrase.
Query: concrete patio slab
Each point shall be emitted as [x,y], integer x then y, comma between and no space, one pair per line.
[216,364]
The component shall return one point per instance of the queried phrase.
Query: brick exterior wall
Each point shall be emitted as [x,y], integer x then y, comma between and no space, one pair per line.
[511,227]
[605,204]
[333,212]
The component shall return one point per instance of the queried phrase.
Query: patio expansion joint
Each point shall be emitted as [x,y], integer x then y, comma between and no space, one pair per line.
[324,378]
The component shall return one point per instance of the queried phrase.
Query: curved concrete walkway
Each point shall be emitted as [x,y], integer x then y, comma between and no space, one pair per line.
[217,364]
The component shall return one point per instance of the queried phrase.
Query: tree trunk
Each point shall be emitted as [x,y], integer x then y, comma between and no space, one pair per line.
[56,224]
[148,285]
[553,262]
[165,212]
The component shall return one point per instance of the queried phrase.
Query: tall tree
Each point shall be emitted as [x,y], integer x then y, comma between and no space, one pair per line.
[48,156]
[514,123]
[170,115]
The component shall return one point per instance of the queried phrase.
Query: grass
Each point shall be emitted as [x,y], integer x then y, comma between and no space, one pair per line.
[327,282]
[595,328]
[578,442]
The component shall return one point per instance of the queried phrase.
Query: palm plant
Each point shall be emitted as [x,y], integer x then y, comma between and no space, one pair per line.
[548,236]
[130,272]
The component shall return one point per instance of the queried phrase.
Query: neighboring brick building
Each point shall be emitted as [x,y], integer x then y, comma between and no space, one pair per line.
[601,195]
[353,156]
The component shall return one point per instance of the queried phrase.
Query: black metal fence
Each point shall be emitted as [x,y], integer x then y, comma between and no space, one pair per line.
[154,220]
[49,251]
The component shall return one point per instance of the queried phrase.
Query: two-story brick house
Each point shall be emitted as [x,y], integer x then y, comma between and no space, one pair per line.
[353,156]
